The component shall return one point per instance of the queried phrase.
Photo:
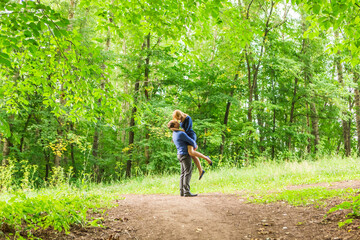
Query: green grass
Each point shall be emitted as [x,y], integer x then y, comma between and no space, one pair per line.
[24,212]
[264,177]
[301,197]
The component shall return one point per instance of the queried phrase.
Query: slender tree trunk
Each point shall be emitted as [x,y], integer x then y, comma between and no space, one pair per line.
[47,164]
[308,147]
[146,92]
[274,115]
[132,133]
[273,139]
[253,69]
[96,138]
[259,113]
[250,85]
[292,111]
[72,151]
[226,119]
[6,151]
[256,72]
[345,124]
[61,119]
[227,110]
[315,125]
[132,120]
[23,133]
[357,109]
[7,143]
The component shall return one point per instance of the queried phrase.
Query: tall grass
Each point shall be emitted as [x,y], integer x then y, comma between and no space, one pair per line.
[59,204]
[263,176]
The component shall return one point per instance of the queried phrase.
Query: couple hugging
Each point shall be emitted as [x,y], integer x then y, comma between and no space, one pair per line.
[185,142]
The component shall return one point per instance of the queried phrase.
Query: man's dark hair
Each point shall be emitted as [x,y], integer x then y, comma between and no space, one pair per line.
[171,124]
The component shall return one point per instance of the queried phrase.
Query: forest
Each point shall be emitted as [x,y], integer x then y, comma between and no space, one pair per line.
[90,85]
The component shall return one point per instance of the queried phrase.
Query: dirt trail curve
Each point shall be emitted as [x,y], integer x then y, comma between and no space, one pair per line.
[215,216]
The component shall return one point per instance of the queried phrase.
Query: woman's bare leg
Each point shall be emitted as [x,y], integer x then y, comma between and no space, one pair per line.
[192,153]
[197,163]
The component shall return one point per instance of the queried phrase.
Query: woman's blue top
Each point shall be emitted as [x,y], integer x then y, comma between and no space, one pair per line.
[187,126]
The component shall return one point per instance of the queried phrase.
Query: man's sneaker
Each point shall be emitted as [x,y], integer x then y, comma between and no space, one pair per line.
[189,194]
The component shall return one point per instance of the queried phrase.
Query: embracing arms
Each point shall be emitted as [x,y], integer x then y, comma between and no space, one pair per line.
[184,137]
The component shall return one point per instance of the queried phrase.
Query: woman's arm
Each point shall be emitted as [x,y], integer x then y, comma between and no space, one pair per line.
[177,129]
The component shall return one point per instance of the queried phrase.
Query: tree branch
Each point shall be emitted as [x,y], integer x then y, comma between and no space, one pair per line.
[284,20]
[248,9]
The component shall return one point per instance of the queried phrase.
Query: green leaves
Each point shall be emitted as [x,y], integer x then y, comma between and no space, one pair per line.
[4,127]
[4,60]
[316,8]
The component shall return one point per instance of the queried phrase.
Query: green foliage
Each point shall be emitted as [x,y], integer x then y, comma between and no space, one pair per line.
[26,212]
[59,206]
[302,197]
[353,205]
[258,78]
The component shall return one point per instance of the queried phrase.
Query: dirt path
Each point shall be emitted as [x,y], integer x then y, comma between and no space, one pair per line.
[215,216]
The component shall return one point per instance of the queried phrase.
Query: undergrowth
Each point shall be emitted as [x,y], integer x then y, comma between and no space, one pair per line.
[354,205]
[23,213]
[25,210]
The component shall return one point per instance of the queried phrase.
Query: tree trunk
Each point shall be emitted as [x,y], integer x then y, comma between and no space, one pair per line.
[308,147]
[226,119]
[292,112]
[72,151]
[61,119]
[274,115]
[132,120]
[132,133]
[250,86]
[6,141]
[95,149]
[47,166]
[315,125]
[23,133]
[227,111]
[345,124]
[357,109]
[146,92]
[6,151]
[96,138]
[274,140]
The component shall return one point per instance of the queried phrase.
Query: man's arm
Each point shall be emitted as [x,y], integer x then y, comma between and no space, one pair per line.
[184,137]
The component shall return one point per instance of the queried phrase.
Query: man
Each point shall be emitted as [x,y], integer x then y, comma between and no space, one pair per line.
[182,140]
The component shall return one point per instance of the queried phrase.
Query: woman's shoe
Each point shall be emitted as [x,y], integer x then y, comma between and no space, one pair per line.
[202,174]
[210,160]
